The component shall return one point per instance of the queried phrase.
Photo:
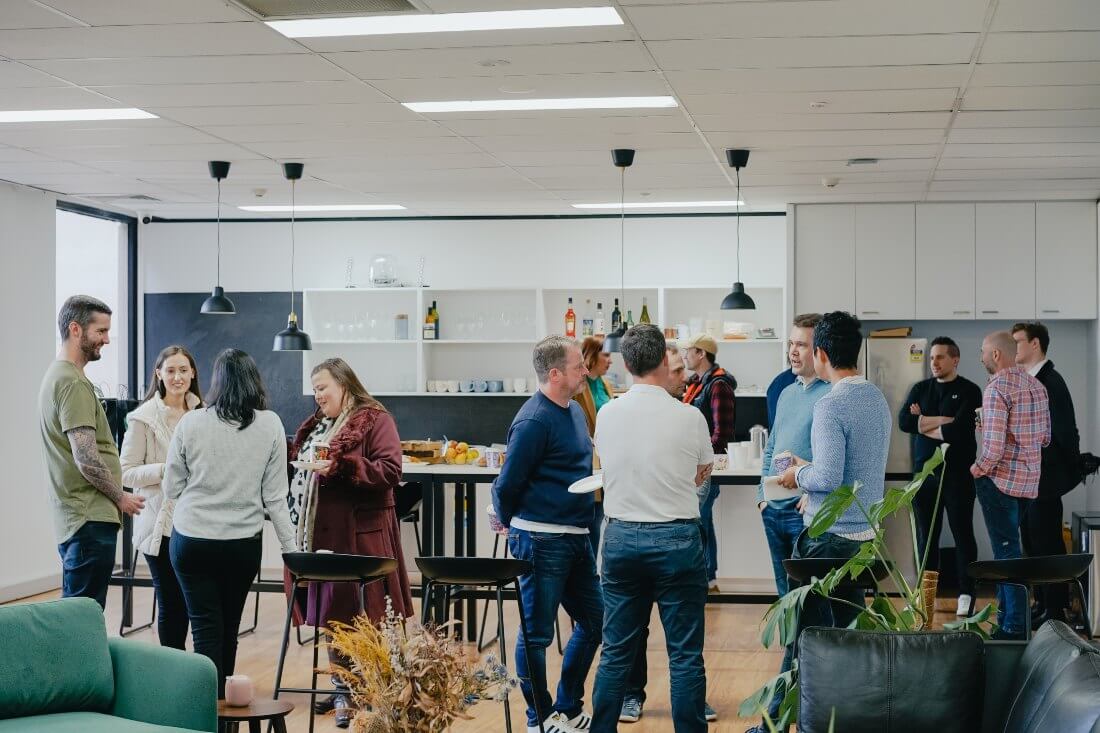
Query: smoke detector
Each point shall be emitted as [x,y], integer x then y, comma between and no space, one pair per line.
[830,181]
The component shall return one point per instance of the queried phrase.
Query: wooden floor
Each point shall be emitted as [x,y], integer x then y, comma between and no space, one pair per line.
[736,664]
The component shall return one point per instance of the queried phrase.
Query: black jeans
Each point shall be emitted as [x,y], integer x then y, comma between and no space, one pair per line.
[87,561]
[171,608]
[958,499]
[1041,533]
[215,576]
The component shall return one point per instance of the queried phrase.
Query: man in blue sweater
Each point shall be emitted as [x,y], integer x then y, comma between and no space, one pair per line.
[850,440]
[549,449]
[790,433]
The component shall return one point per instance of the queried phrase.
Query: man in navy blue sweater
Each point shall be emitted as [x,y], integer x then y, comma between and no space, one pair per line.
[549,449]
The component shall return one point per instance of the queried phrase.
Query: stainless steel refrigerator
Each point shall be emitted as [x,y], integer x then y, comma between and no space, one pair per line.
[895,365]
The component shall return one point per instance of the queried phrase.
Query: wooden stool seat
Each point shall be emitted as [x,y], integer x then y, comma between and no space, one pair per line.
[275,711]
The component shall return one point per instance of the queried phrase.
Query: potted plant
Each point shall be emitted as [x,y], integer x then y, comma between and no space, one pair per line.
[407,678]
[917,601]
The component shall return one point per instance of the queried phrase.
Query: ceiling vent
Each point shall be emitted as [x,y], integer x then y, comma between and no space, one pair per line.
[862,161]
[120,197]
[296,9]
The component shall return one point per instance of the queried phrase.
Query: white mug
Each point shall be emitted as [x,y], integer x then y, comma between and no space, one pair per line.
[452,386]
[521,384]
[433,385]
[509,385]
[239,690]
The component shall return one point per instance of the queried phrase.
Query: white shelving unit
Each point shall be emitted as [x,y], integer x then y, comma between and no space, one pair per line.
[488,332]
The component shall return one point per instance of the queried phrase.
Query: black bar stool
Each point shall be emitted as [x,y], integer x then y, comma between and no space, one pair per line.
[805,569]
[447,573]
[481,643]
[326,567]
[1028,572]
[122,630]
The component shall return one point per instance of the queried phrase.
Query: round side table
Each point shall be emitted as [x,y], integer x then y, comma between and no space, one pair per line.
[275,711]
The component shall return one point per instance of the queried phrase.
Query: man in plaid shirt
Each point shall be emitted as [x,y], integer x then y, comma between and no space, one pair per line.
[1015,429]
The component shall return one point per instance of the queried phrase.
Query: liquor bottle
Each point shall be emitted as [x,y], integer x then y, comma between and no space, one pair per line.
[644,318]
[435,319]
[570,322]
[428,332]
[616,317]
[629,319]
[600,326]
[587,324]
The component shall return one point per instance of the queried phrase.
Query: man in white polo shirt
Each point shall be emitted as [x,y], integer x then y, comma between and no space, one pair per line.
[654,451]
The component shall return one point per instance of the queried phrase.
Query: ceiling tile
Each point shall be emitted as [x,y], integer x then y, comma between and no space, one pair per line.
[593,142]
[1028,74]
[326,131]
[25,98]
[575,126]
[500,61]
[469,39]
[1039,97]
[18,155]
[1041,47]
[24,14]
[813,120]
[363,148]
[1021,150]
[107,42]
[1013,162]
[213,151]
[148,12]
[284,114]
[823,138]
[1025,135]
[637,83]
[1049,15]
[807,18]
[105,135]
[994,174]
[1020,184]
[168,96]
[1029,118]
[15,74]
[790,53]
[194,70]
[822,79]
[905,100]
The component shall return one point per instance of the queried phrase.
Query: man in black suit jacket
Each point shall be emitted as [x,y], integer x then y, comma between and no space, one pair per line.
[1041,522]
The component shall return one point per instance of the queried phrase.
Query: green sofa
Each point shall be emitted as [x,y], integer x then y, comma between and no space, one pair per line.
[59,673]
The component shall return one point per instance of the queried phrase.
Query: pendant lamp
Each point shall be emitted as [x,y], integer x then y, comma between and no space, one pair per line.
[738,299]
[218,304]
[292,338]
[623,158]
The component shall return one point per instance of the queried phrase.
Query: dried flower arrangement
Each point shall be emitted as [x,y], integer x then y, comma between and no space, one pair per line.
[406,678]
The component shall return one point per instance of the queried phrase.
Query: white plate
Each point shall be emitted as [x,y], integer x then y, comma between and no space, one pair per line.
[310,465]
[774,492]
[587,485]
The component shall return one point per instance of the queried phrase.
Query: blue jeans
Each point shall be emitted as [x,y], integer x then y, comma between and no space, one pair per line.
[708,494]
[564,573]
[595,530]
[87,561]
[817,611]
[1002,519]
[782,526]
[645,562]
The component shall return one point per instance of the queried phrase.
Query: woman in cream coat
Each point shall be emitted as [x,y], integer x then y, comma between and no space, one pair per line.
[174,392]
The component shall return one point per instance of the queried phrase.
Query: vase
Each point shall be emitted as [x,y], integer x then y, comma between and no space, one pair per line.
[929,580]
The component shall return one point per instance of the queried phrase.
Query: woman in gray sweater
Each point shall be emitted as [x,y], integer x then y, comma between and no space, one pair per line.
[226,464]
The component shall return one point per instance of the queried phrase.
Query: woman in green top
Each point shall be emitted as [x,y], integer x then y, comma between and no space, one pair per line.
[597,393]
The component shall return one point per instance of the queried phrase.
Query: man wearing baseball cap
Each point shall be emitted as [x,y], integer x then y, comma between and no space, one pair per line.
[711,389]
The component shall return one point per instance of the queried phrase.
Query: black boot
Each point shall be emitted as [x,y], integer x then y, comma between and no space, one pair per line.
[345,711]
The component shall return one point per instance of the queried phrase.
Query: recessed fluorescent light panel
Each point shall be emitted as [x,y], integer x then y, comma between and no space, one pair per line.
[520,105]
[323,207]
[74,115]
[661,205]
[380,25]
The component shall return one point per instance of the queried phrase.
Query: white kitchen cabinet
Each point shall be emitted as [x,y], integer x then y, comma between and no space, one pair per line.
[945,261]
[1065,260]
[885,261]
[1005,258]
[824,259]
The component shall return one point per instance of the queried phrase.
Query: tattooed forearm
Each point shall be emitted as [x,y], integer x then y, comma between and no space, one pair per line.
[83,444]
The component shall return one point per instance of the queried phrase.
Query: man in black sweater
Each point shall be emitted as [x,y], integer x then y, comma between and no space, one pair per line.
[1041,521]
[941,410]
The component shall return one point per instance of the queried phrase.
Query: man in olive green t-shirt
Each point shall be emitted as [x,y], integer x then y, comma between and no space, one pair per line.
[81,457]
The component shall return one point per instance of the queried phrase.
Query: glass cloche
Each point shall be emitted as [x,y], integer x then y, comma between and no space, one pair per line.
[383,271]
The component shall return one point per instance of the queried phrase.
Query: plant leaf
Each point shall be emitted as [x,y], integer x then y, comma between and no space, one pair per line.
[834,505]
[975,623]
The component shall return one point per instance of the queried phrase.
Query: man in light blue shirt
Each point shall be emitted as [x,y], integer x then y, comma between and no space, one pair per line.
[791,434]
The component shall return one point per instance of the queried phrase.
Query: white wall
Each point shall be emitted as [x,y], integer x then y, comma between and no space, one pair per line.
[91,260]
[28,552]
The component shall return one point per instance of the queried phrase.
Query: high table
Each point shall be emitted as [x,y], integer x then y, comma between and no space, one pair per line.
[435,477]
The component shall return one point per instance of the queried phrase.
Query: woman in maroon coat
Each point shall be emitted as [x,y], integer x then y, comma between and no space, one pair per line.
[348,506]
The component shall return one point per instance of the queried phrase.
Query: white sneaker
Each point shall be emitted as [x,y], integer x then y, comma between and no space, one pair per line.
[965,602]
[556,723]
[582,722]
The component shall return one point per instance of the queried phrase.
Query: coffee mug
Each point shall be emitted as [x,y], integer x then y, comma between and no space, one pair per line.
[480,385]
[721,462]
[508,385]
[493,458]
[520,384]
[452,386]
[433,385]
[495,385]
[238,690]
[466,385]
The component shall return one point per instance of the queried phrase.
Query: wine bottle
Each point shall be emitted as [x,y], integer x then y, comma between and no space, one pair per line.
[435,319]
[587,324]
[599,325]
[629,319]
[644,318]
[428,329]
[616,317]
[570,322]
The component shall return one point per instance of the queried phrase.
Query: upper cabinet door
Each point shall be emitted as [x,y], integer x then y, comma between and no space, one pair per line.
[1065,260]
[945,261]
[824,257]
[885,261]
[1005,258]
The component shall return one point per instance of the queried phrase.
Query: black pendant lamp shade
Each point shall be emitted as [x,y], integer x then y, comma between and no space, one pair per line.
[738,299]
[218,304]
[623,158]
[292,338]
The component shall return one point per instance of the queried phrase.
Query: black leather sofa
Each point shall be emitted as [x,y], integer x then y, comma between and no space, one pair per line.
[948,683]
